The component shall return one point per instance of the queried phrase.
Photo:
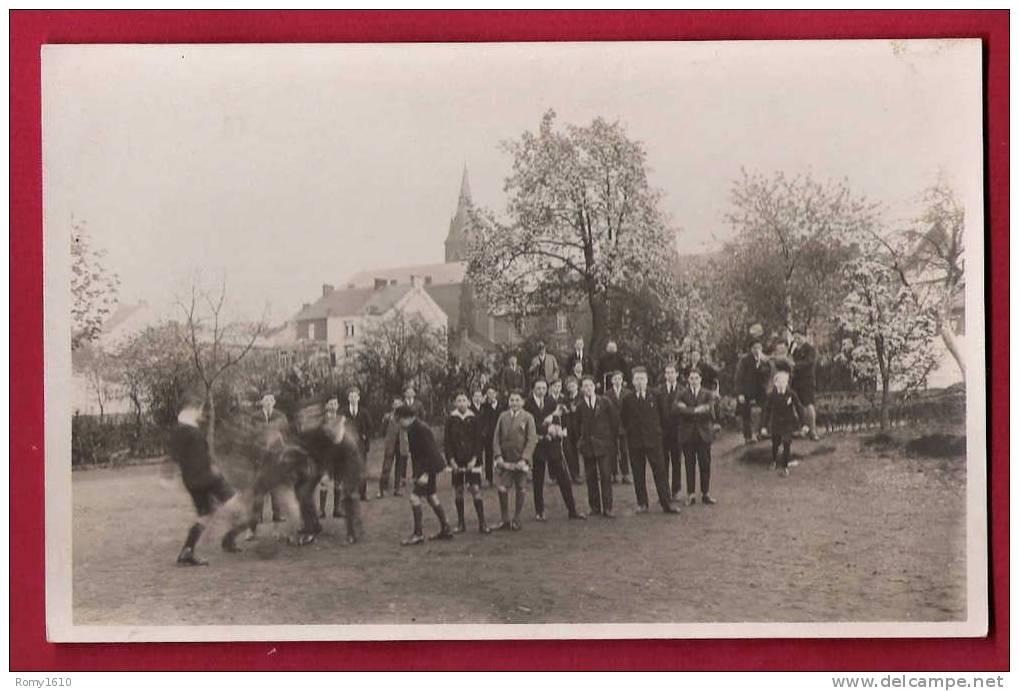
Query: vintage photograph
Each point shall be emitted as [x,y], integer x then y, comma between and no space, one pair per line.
[544,340]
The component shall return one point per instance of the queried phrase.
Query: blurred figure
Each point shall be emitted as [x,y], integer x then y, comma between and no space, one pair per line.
[270,427]
[329,412]
[209,490]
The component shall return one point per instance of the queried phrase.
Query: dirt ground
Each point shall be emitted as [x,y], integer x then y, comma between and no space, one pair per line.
[858,532]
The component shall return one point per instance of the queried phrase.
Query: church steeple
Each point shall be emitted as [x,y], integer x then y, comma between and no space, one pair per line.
[458,240]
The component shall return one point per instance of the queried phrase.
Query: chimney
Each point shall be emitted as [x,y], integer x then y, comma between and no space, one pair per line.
[380,283]
[305,305]
[416,281]
[327,288]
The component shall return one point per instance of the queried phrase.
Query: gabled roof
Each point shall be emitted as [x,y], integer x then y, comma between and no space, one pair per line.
[441,274]
[447,296]
[349,302]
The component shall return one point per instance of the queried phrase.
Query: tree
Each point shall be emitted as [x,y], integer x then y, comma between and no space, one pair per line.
[935,255]
[893,332]
[93,287]
[98,368]
[793,235]
[398,350]
[215,344]
[154,371]
[584,226]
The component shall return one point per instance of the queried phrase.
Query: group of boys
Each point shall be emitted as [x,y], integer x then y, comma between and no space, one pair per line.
[589,424]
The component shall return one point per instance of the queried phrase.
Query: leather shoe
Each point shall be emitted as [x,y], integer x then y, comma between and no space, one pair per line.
[707,499]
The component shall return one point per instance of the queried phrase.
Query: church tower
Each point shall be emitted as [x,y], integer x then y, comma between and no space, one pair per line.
[458,240]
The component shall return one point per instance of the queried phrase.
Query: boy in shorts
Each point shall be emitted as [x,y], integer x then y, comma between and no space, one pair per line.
[208,488]
[426,462]
[463,442]
[513,444]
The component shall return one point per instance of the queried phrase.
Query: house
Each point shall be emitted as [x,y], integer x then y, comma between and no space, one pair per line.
[339,319]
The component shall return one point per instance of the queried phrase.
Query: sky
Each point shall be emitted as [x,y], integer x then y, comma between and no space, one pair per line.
[285,167]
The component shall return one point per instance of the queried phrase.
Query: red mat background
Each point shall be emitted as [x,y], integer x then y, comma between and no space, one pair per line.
[29,30]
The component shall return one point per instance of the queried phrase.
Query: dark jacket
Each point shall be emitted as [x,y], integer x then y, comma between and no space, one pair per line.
[359,425]
[189,449]
[804,379]
[571,418]
[462,437]
[695,426]
[783,413]
[588,363]
[642,420]
[598,435]
[752,377]
[424,451]
[511,379]
[709,375]
[667,408]
[539,413]
[489,416]
[611,362]
[617,405]
[271,432]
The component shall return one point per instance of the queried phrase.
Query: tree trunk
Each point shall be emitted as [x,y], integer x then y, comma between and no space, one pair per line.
[885,413]
[952,343]
[599,319]
[210,432]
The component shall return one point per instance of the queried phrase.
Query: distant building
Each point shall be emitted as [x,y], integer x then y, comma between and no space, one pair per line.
[339,319]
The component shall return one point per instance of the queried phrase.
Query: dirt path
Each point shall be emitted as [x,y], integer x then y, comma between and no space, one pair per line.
[851,535]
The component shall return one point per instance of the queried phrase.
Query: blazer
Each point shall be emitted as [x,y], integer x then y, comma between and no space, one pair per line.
[709,375]
[642,420]
[513,379]
[462,437]
[667,408]
[695,426]
[783,413]
[270,432]
[753,377]
[489,416]
[617,404]
[424,451]
[362,423]
[515,438]
[539,413]
[804,378]
[547,370]
[598,426]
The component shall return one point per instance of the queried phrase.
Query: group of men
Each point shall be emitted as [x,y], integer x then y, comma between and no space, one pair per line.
[604,425]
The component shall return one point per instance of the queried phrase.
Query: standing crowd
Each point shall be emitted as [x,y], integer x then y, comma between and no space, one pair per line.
[586,422]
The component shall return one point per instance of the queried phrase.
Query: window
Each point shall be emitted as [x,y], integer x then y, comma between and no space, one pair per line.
[348,351]
[348,329]
[332,356]
[561,322]
[313,330]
